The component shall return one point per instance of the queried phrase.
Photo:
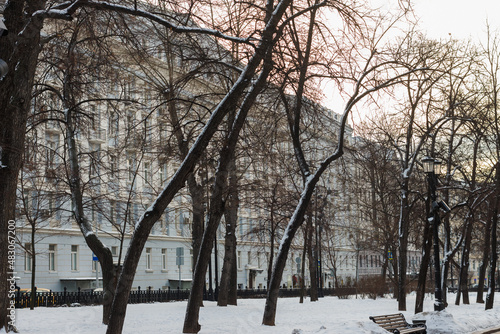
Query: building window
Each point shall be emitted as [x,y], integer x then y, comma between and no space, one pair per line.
[191,256]
[52,146]
[112,214]
[114,124]
[114,250]
[52,257]
[250,257]
[147,173]
[239,259]
[131,170]
[163,174]
[113,165]
[74,257]
[95,156]
[149,131]
[27,257]
[164,259]
[148,259]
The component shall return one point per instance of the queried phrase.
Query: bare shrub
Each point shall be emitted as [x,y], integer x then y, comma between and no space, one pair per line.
[372,286]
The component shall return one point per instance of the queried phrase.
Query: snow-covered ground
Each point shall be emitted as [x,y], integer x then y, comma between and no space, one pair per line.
[327,316]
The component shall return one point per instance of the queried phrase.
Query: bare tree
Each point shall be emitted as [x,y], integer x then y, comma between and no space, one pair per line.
[363,86]
[24,21]
[22,44]
[40,199]
[491,87]
[376,187]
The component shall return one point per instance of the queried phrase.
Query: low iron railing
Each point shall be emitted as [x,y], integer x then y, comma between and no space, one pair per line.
[22,299]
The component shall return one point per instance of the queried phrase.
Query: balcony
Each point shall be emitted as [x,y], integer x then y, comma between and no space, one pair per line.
[52,127]
[97,136]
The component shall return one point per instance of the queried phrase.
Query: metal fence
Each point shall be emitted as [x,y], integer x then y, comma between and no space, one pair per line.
[22,299]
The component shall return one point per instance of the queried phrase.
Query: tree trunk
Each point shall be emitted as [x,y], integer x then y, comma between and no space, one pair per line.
[484,262]
[233,286]
[447,256]
[197,198]
[153,213]
[102,252]
[270,261]
[403,248]
[313,263]
[33,267]
[20,49]
[395,264]
[191,324]
[195,190]
[424,266]
[464,265]
[286,241]
[303,268]
[218,198]
[490,296]
[228,279]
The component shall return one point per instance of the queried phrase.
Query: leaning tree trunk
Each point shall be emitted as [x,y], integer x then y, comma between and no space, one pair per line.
[20,49]
[154,212]
[195,189]
[280,262]
[217,200]
[102,252]
[191,324]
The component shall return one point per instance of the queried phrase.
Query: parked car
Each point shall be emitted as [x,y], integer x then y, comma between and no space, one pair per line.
[43,297]
[38,290]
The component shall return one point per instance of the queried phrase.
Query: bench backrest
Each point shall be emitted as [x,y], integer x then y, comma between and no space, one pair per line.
[390,321]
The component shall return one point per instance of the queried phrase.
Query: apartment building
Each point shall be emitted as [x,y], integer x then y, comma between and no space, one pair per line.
[127,118]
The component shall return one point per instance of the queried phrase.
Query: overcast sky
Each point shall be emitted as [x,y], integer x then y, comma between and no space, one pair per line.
[460,18]
[463,19]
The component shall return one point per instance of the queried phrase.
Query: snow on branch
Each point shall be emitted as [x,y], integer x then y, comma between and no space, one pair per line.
[67,9]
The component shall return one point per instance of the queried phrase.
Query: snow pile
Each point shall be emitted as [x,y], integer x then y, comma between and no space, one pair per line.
[329,315]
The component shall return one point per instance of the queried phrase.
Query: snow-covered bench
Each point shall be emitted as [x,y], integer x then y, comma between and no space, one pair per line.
[397,324]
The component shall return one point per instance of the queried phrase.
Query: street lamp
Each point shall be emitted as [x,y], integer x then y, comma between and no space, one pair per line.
[432,168]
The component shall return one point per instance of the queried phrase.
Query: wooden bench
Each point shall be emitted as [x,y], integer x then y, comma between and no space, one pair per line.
[397,324]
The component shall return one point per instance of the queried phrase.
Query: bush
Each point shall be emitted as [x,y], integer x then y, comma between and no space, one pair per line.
[372,287]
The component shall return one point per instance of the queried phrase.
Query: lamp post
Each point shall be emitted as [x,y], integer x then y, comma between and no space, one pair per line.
[432,168]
